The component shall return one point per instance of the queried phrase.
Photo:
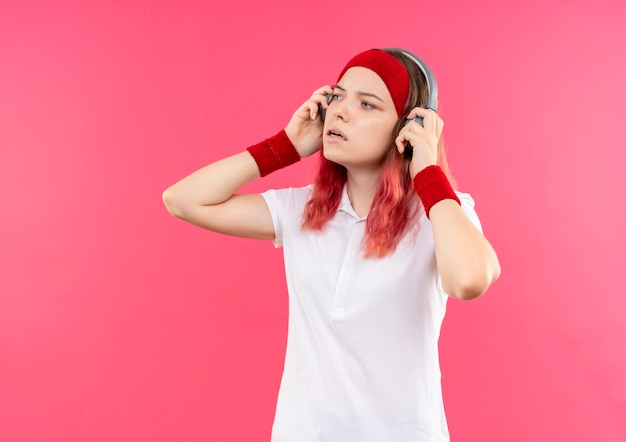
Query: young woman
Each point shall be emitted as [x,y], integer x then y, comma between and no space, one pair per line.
[372,251]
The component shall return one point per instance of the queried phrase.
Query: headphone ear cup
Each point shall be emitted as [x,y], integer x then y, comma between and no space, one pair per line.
[320,109]
[408,149]
[419,120]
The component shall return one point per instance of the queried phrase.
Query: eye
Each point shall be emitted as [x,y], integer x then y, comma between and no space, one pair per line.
[367,105]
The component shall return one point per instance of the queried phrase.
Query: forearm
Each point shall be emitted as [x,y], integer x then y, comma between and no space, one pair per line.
[216,183]
[466,261]
[212,184]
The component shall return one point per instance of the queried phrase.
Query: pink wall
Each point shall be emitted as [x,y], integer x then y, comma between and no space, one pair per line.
[118,322]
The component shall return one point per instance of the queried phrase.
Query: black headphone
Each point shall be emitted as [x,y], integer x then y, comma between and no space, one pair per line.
[432,101]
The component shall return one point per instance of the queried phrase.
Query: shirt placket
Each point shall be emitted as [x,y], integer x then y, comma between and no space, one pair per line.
[346,273]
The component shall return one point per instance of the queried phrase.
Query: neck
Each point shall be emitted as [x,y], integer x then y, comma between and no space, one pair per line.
[361,188]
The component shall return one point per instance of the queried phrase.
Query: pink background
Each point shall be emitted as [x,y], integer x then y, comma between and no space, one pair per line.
[118,322]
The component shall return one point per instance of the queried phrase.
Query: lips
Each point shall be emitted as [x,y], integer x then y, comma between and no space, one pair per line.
[336,134]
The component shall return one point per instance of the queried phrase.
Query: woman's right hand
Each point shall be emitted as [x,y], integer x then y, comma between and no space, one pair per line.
[305,127]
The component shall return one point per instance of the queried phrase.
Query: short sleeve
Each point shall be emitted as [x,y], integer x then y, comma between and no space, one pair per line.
[285,206]
[272,200]
[467,204]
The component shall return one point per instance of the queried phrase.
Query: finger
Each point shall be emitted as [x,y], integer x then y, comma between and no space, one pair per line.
[400,144]
[319,98]
[440,124]
[323,91]
[321,95]
[430,121]
[405,137]
[417,112]
[414,130]
[326,89]
[414,125]
[429,117]
[307,110]
[312,107]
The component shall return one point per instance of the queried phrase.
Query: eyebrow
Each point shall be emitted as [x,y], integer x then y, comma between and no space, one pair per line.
[362,93]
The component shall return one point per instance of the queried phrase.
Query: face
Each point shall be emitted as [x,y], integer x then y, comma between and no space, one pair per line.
[360,120]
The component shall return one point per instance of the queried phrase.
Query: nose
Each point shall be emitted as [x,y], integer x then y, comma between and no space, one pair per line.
[338,108]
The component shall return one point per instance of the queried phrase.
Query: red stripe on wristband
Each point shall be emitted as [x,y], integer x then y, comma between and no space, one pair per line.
[432,186]
[274,153]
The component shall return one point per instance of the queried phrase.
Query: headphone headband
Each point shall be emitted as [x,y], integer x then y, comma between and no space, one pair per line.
[431,82]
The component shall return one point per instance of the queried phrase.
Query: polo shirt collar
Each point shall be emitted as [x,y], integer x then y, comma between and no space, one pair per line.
[346,206]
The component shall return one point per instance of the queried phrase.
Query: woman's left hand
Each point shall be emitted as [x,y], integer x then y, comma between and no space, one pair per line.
[424,139]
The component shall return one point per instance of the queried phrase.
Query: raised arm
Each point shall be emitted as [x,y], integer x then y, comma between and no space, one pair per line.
[207,198]
[466,261]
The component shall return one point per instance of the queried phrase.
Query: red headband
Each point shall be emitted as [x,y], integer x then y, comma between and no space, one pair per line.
[389,69]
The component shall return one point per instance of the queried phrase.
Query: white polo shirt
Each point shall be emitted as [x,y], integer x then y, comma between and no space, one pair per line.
[362,361]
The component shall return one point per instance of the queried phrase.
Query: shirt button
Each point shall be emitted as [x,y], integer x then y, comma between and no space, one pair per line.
[342,286]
